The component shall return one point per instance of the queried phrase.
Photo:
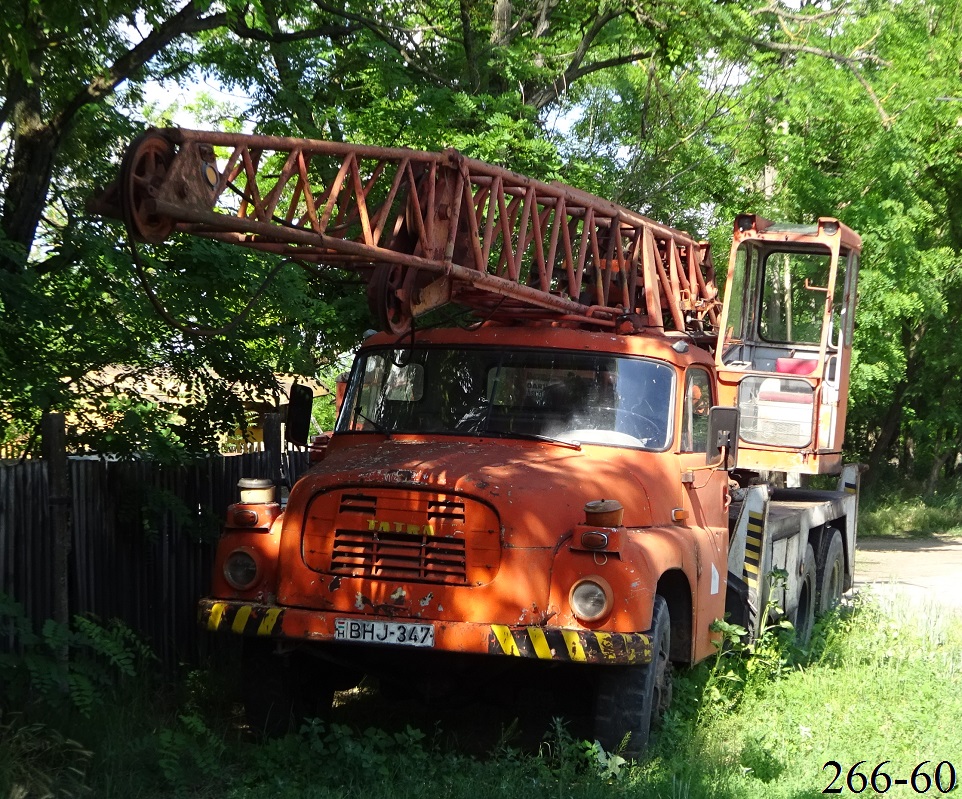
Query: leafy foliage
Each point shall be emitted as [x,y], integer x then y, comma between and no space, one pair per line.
[64,670]
[688,112]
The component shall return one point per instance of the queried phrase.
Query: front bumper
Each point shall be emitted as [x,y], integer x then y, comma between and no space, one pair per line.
[540,643]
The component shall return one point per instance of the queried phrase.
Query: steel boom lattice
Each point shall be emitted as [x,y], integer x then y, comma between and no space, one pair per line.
[424,228]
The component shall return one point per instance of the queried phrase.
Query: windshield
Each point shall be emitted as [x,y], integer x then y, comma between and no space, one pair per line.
[793,296]
[573,397]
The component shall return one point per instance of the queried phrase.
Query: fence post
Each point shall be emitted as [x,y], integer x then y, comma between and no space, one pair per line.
[273,444]
[54,453]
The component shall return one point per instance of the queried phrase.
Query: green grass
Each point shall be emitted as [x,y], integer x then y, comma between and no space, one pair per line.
[883,683]
[892,514]
[880,682]
[909,519]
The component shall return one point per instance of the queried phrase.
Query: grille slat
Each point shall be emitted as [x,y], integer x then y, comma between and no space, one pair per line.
[358,503]
[451,510]
[361,553]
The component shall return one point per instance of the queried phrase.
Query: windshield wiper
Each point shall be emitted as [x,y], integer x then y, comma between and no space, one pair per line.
[531,437]
[378,427]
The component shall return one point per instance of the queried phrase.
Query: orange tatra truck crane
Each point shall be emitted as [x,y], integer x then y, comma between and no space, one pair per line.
[576,485]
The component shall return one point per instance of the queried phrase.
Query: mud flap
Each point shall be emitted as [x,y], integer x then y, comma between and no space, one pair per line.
[749,561]
[738,606]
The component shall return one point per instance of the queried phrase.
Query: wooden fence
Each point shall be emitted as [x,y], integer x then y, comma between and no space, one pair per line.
[142,540]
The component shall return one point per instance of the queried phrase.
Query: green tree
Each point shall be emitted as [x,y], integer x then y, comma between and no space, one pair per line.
[859,119]
[688,111]
[71,320]
[474,75]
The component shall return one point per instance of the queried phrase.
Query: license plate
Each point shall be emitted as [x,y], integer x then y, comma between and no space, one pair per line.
[384,632]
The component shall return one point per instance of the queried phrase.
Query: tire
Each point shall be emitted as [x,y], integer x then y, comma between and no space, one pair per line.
[631,700]
[281,691]
[830,571]
[804,616]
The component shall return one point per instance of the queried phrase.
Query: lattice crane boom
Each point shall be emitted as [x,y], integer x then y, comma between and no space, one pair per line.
[425,229]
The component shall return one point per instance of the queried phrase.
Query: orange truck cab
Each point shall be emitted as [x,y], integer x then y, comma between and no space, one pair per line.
[507,492]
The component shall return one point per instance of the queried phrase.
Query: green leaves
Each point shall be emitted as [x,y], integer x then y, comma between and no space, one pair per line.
[64,669]
[689,112]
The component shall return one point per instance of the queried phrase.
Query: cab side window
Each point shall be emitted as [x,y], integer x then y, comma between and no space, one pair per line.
[697,401]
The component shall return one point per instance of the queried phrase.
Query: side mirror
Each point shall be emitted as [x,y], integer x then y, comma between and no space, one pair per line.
[299,407]
[722,437]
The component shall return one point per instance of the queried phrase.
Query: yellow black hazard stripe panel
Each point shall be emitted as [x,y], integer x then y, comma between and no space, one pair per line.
[753,549]
[240,619]
[576,646]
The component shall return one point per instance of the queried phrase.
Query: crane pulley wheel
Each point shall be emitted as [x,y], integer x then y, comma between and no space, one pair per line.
[144,169]
[389,296]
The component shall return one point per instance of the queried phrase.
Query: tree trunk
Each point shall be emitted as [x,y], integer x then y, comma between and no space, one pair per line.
[500,22]
[35,148]
[889,430]
[932,481]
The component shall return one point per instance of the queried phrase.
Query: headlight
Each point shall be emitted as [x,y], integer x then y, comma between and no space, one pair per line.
[240,569]
[590,599]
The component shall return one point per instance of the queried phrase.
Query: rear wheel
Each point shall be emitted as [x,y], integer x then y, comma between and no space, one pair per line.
[831,571]
[804,618]
[632,699]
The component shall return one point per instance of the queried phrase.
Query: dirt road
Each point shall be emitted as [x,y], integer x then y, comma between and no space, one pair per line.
[927,570]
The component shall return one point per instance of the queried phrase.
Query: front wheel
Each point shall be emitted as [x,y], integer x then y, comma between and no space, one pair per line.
[281,691]
[632,699]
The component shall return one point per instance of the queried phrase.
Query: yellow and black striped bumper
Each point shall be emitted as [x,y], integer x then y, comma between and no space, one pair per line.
[538,643]
[578,646]
[240,618]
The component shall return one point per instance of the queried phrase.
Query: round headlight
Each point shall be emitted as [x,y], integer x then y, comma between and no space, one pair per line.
[590,599]
[240,569]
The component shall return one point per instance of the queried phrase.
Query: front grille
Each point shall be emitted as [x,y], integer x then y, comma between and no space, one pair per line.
[358,503]
[450,509]
[399,556]
[402,535]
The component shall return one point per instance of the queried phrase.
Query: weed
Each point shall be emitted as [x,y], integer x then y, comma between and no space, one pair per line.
[743,666]
[49,681]
[190,753]
[36,760]
[568,760]
[879,681]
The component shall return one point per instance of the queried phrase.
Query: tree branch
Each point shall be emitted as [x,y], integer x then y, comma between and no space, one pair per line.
[244,31]
[290,78]
[382,33]
[781,47]
[849,62]
[187,20]
[597,25]
[883,114]
[558,86]
[575,70]
[783,14]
